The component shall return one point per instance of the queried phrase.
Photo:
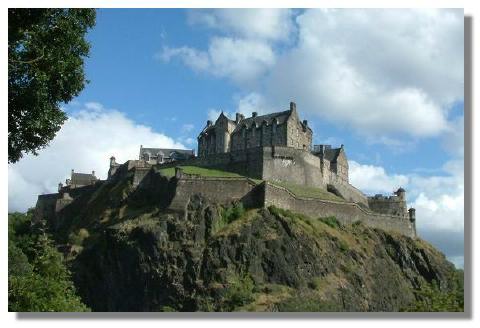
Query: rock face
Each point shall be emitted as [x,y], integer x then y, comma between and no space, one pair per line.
[215,259]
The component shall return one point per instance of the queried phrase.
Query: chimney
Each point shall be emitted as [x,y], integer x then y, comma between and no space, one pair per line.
[305,122]
[254,114]
[238,117]
[93,173]
[72,171]
[293,106]
[60,186]
[209,123]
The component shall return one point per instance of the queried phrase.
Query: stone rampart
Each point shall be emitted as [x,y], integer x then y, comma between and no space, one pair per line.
[344,212]
[221,191]
[292,165]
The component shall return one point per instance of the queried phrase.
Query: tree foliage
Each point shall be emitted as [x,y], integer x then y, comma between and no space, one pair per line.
[38,279]
[46,48]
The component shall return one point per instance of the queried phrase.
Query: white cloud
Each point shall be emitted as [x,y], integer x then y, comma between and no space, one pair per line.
[85,143]
[268,24]
[379,72]
[252,102]
[187,127]
[374,179]
[240,60]
[195,59]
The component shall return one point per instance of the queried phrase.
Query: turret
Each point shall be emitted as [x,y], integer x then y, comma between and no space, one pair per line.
[411,214]
[112,161]
[400,193]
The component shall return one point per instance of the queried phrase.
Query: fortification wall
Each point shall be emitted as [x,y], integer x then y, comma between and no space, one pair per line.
[45,207]
[292,165]
[348,192]
[346,213]
[248,162]
[392,205]
[222,191]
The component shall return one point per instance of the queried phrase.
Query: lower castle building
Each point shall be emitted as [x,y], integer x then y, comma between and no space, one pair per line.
[275,148]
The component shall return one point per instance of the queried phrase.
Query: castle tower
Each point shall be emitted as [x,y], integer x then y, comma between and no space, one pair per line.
[400,193]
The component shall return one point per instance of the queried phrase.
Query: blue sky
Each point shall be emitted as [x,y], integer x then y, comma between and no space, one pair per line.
[126,76]
[388,84]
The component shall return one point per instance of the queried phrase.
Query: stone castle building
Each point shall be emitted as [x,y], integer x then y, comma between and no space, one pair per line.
[276,129]
[276,149]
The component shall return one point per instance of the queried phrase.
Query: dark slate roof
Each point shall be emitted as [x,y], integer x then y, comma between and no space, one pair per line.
[281,118]
[82,178]
[331,154]
[166,151]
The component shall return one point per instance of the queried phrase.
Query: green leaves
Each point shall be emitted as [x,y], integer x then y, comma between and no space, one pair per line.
[38,279]
[46,48]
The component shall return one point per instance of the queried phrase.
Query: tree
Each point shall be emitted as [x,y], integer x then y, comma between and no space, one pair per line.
[38,279]
[46,49]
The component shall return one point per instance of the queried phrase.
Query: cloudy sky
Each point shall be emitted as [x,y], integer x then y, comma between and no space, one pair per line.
[386,83]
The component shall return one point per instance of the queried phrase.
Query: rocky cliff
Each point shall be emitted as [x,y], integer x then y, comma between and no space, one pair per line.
[127,253]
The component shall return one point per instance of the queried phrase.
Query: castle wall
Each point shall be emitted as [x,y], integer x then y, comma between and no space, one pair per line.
[222,191]
[293,166]
[297,137]
[349,192]
[45,207]
[393,205]
[345,213]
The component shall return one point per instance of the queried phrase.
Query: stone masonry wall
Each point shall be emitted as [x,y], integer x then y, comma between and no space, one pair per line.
[293,166]
[222,191]
[344,212]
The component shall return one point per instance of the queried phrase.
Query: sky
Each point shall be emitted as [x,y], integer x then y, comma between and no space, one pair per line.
[388,84]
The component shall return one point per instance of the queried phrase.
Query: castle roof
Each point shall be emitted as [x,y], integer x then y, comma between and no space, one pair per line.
[82,178]
[167,152]
[280,117]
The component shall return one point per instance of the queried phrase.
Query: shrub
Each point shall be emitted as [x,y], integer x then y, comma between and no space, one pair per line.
[233,213]
[38,279]
[238,293]
[343,246]
[429,298]
[331,221]
[79,237]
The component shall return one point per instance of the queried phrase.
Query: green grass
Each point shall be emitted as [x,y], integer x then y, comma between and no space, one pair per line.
[201,171]
[308,192]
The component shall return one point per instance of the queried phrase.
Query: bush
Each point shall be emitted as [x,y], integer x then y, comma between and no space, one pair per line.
[429,298]
[78,237]
[331,221]
[233,213]
[238,293]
